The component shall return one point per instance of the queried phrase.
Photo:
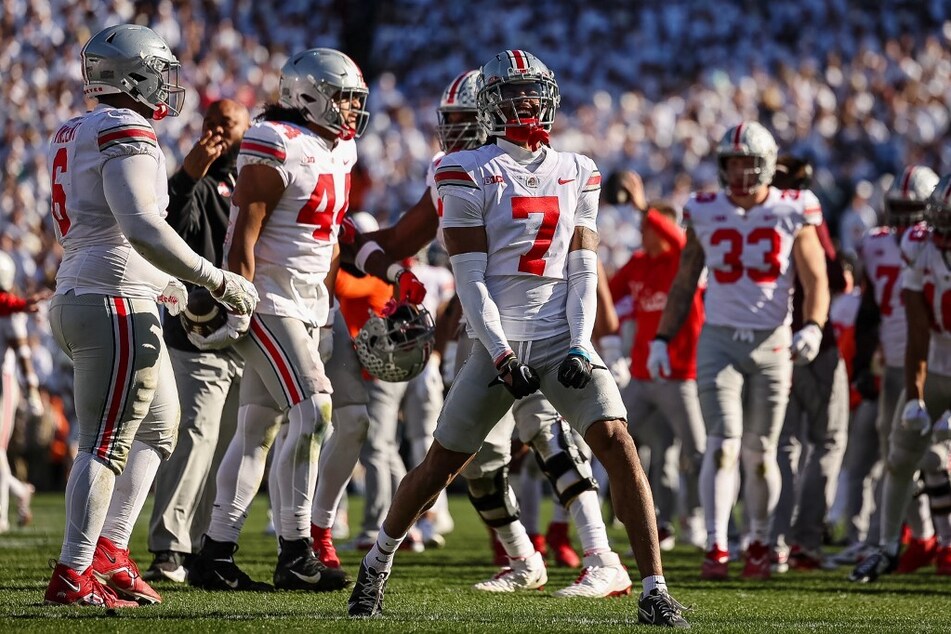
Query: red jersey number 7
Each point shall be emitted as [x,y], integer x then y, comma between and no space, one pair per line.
[533,261]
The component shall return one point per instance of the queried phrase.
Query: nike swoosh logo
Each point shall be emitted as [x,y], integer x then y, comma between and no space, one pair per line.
[231,583]
[564,181]
[111,559]
[306,578]
[75,587]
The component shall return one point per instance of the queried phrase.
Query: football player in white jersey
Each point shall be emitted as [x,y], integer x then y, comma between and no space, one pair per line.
[752,238]
[915,441]
[109,193]
[292,191]
[519,224]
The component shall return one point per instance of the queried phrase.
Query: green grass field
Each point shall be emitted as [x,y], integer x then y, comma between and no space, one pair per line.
[430,592]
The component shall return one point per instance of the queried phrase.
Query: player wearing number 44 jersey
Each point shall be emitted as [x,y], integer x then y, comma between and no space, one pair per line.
[109,194]
[752,238]
[519,225]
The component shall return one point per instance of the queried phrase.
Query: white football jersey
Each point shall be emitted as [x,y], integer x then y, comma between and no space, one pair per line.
[293,253]
[749,255]
[928,272]
[97,256]
[529,214]
[880,251]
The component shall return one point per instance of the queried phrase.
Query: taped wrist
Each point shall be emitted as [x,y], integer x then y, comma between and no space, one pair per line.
[368,249]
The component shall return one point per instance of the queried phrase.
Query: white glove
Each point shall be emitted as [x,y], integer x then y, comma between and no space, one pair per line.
[430,379]
[174,297]
[34,402]
[941,432]
[238,294]
[658,361]
[805,344]
[234,329]
[914,417]
[610,347]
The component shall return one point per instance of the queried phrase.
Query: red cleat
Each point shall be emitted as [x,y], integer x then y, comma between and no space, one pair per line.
[714,566]
[562,551]
[115,569]
[68,587]
[802,559]
[942,560]
[757,561]
[324,546]
[918,554]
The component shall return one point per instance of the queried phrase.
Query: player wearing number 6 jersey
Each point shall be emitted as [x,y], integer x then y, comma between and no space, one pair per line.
[519,225]
[291,194]
[109,194]
[752,238]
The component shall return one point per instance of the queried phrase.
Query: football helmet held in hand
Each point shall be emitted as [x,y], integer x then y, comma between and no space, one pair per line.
[395,347]
[202,315]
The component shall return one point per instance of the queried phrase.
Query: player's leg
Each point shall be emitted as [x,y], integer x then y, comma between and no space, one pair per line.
[860,457]
[788,456]
[937,479]
[9,398]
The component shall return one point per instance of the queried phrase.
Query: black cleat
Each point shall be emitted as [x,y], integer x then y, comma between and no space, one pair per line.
[659,608]
[299,569]
[214,569]
[366,600]
[875,564]
[167,565]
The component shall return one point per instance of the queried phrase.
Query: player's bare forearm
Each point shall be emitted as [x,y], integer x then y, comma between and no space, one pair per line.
[465,240]
[811,268]
[680,295]
[606,321]
[257,192]
[919,338]
[331,280]
[414,230]
[584,238]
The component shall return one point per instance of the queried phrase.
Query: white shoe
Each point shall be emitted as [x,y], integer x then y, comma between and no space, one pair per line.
[522,574]
[602,576]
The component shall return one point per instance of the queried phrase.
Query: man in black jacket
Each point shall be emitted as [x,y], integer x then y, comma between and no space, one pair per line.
[199,205]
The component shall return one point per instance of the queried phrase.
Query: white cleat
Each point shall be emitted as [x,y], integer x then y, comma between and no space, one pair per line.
[521,574]
[602,576]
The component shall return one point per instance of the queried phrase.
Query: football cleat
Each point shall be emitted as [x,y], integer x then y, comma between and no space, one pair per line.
[68,587]
[299,569]
[521,574]
[803,559]
[874,565]
[757,561]
[779,560]
[324,546]
[659,608]
[366,599]
[942,560]
[560,545]
[214,569]
[918,554]
[714,566]
[115,569]
[168,565]
[602,576]
[849,556]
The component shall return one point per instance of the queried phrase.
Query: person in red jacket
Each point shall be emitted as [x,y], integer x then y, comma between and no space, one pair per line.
[662,410]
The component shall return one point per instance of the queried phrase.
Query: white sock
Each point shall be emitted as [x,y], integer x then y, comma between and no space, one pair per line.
[131,488]
[586,512]
[242,469]
[529,501]
[88,492]
[339,456]
[380,557]
[654,581]
[762,485]
[718,486]
[297,464]
[515,540]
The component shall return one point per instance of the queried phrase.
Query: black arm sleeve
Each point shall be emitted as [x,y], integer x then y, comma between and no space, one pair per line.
[184,210]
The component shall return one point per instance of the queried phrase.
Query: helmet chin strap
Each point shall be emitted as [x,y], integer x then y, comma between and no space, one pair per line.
[530,132]
[160,112]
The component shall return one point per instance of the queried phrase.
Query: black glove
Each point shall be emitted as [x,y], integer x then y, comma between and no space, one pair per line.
[518,378]
[575,371]
[866,385]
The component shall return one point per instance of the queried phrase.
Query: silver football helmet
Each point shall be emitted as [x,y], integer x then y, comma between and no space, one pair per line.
[748,139]
[938,212]
[505,82]
[8,272]
[397,346]
[316,81]
[133,60]
[459,127]
[907,198]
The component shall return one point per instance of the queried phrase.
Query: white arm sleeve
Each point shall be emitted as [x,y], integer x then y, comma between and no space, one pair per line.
[480,309]
[582,302]
[134,204]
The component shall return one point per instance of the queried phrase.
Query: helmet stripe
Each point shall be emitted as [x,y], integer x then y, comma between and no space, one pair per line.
[518,58]
[906,181]
[451,97]
[737,135]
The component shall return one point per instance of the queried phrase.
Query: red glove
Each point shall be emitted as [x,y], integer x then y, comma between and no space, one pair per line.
[410,288]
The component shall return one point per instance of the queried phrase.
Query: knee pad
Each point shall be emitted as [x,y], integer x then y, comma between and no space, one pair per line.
[938,489]
[563,463]
[493,498]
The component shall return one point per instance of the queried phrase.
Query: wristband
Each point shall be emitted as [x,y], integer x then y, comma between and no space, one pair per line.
[503,358]
[579,352]
[394,271]
[368,249]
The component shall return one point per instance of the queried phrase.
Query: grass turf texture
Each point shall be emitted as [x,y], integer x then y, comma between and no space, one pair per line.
[431,592]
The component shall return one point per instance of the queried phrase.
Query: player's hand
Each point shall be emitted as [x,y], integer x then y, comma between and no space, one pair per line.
[209,148]
[518,378]
[34,401]
[658,360]
[610,347]
[174,297]
[805,344]
[575,371]
[409,288]
[236,293]
[914,417]
[234,329]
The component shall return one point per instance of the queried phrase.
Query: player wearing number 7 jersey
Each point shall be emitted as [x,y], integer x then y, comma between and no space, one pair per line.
[752,238]
[291,194]
[519,222]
